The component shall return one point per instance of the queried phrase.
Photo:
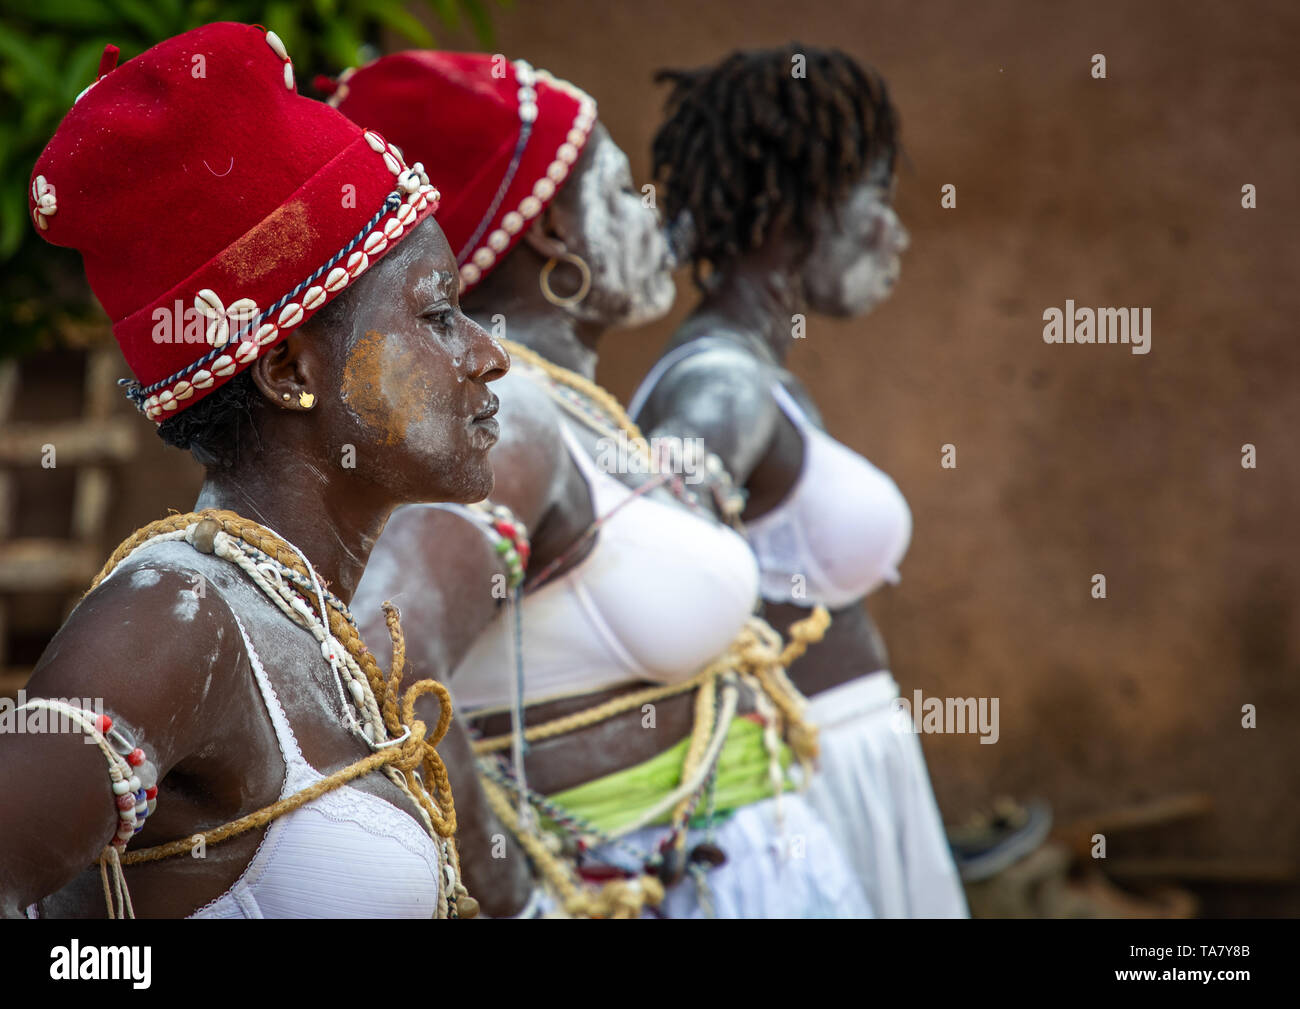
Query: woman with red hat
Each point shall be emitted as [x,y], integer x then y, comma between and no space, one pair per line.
[290,312]
[650,771]
[786,180]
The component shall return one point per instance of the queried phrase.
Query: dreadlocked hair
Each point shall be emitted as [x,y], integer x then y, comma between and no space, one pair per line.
[748,148]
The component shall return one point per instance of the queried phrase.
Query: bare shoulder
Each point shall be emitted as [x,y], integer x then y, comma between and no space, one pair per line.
[721,394]
[156,641]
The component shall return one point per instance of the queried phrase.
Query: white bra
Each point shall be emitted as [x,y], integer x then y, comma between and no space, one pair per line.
[661,593]
[344,854]
[840,532]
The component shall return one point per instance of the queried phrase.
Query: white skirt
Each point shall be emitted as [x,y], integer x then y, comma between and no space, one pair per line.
[783,865]
[873,792]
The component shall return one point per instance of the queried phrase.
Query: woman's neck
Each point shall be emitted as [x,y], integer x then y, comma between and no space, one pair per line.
[557,334]
[324,511]
[756,300]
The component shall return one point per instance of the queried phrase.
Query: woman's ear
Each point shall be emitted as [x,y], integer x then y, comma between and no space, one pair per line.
[290,373]
[546,236]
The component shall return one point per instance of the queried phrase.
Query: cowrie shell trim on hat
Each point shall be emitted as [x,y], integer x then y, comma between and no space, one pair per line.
[482,257]
[258,329]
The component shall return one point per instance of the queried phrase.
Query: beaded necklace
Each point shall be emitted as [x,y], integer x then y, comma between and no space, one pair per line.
[374,710]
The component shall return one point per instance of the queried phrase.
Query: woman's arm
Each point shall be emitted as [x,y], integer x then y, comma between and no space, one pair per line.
[161,668]
[721,395]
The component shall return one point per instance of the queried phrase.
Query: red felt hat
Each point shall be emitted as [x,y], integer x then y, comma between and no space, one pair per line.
[216,208]
[516,132]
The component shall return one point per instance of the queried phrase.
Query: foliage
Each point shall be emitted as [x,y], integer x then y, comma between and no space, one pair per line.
[50,51]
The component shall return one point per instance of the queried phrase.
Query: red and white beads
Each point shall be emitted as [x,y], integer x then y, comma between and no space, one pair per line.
[544,188]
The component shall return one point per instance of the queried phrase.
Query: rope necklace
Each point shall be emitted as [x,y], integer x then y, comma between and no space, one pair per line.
[601,411]
[379,714]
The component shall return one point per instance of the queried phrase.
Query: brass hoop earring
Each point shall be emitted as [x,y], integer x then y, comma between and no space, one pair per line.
[545,280]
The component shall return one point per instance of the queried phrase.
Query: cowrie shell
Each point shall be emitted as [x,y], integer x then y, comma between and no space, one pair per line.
[357,263]
[183,390]
[243,311]
[207,302]
[513,222]
[267,332]
[202,378]
[375,141]
[544,189]
[314,298]
[246,351]
[337,278]
[290,315]
[393,228]
[273,40]
[498,240]
[218,332]
[375,243]
[484,258]
[223,366]
[393,164]
[288,76]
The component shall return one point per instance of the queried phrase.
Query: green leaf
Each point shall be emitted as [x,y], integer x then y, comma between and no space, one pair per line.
[138,15]
[446,11]
[13,226]
[27,57]
[70,15]
[395,16]
[478,16]
[80,69]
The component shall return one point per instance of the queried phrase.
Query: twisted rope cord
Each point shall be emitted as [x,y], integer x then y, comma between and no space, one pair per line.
[753,650]
[755,656]
[415,751]
[615,899]
[602,397]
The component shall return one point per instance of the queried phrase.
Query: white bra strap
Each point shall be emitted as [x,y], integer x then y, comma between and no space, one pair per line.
[289,750]
[661,366]
[583,460]
[790,406]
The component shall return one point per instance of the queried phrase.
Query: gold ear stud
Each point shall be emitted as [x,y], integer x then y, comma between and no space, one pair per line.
[306,400]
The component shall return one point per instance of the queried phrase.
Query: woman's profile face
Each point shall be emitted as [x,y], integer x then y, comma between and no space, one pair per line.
[413,400]
[605,219]
[855,258]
